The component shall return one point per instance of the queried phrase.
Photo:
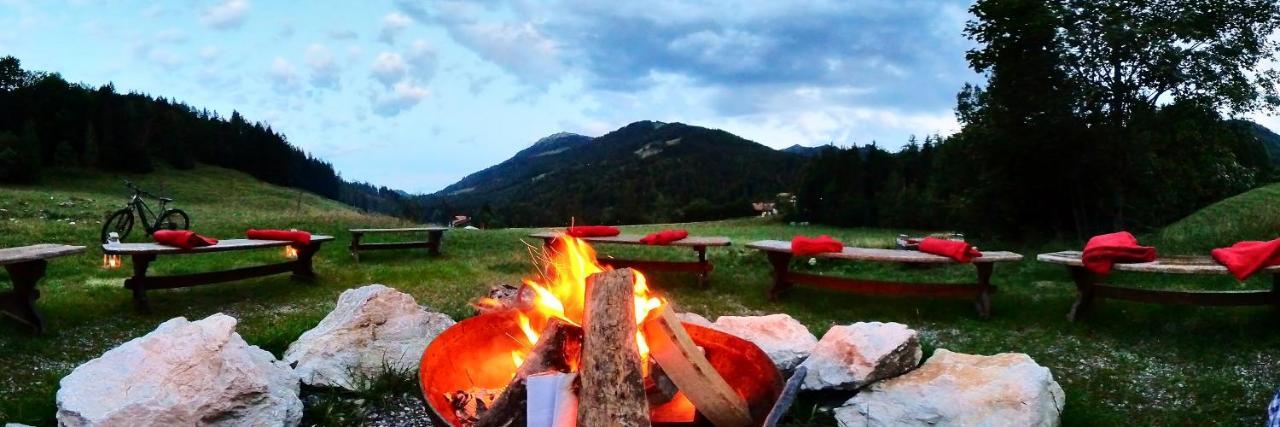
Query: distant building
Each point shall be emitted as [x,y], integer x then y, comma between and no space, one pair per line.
[765,208]
[460,221]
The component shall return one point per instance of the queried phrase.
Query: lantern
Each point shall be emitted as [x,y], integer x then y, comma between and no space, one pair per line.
[290,252]
[111,262]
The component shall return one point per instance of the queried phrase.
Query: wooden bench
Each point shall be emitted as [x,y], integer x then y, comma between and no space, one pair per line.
[779,253]
[144,254]
[26,265]
[699,245]
[434,236]
[1090,288]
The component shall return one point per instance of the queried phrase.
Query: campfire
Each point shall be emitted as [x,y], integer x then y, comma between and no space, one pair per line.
[584,344]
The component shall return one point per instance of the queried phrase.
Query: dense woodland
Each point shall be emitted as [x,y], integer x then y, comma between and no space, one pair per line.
[1094,116]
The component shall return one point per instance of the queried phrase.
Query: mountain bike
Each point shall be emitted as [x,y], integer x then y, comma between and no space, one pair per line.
[121,221]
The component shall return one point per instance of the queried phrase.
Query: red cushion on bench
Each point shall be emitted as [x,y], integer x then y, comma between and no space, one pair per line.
[294,236]
[185,239]
[806,246]
[664,237]
[593,231]
[1103,251]
[954,249]
[1245,258]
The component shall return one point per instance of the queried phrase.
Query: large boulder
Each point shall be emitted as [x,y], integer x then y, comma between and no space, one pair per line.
[783,338]
[694,318]
[182,373]
[372,330]
[961,389]
[853,356]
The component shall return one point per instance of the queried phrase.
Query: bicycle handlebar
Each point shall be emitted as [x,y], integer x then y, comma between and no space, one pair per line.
[138,190]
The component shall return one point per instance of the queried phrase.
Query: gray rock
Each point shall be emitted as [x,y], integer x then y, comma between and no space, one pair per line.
[1007,389]
[694,318]
[851,357]
[182,373]
[373,329]
[783,338]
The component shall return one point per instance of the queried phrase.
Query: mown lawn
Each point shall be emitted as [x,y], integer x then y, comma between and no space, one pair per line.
[1127,364]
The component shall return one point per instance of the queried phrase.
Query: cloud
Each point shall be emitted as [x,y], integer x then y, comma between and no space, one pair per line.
[403,96]
[389,68]
[210,53]
[392,25]
[342,34]
[284,76]
[423,60]
[324,69]
[226,15]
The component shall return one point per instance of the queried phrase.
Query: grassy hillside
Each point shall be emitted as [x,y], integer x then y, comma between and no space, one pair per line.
[1130,363]
[1253,215]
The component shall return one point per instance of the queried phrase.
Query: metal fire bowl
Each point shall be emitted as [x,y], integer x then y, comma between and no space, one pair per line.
[475,353]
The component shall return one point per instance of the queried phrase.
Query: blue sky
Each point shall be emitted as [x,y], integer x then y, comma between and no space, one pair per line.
[415,94]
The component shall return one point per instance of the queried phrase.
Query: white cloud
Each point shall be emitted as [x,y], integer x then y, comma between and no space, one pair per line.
[226,15]
[392,25]
[324,69]
[337,34]
[389,68]
[422,60]
[403,96]
[284,76]
[210,53]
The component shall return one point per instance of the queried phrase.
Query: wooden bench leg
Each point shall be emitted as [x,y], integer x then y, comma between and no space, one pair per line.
[138,284]
[21,302]
[434,239]
[781,262]
[703,279]
[355,246]
[983,303]
[1084,287]
[302,267]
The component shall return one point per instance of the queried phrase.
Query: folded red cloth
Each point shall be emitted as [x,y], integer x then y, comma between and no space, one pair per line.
[664,237]
[1103,251]
[806,246]
[294,236]
[954,249]
[593,231]
[1245,258]
[185,239]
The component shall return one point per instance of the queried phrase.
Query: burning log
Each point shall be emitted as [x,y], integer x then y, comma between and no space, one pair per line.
[556,351]
[612,392]
[658,388]
[689,369]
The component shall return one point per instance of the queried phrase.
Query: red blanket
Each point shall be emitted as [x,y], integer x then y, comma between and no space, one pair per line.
[1245,258]
[294,236]
[1103,251]
[185,239]
[807,246]
[954,249]
[664,237]
[593,231]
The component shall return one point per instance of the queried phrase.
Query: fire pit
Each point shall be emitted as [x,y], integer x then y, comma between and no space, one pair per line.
[482,362]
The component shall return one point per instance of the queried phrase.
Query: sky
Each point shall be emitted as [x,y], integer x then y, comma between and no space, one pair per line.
[416,94]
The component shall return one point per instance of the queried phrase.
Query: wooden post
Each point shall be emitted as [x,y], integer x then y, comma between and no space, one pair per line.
[703,281]
[612,392]
[302,267]
[355,245]
[21,302]
[1085,280]
[555,350]
[688,368]
[781,262]
[434,239]
[138,283]
[984,285]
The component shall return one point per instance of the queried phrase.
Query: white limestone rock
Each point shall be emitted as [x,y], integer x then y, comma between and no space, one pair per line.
[853,356]
[694,318]
[374,328]
[783,338]
[182,373]
[963,390]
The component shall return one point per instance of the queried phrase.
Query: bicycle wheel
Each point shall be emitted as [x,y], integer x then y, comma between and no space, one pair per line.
[120,222]
[173,219]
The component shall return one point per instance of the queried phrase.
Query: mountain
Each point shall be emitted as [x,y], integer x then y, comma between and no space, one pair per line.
[641,173]
[1269,139]
[804,151]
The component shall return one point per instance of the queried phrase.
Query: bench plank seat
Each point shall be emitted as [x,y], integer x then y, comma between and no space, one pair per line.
[702,267]
[143,254]
[435,235]
[1089,286]
[26,266]
[780,255]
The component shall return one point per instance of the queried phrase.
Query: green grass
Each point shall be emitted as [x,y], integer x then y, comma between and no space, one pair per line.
[1253,215]
[1128,363]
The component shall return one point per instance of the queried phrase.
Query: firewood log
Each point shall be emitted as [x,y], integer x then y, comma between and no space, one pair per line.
[689,369]
[555,351]
[612,383]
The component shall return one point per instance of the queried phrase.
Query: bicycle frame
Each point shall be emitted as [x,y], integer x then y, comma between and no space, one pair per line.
[140,206]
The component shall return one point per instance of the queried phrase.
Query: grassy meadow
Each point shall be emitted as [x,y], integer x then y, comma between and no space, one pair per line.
[1126,364]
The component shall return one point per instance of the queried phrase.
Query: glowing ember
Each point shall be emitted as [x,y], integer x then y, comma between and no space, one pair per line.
[290,252]
[111,262]
[561,292]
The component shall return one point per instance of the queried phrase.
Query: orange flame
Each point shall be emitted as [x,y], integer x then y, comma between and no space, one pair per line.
[561,293]
[111,262]
[290,252]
